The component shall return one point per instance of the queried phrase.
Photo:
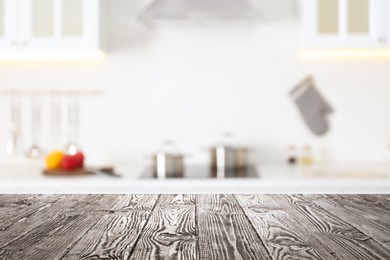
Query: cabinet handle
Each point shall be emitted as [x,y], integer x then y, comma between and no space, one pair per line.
[382,39]
[14,43]
[25,43]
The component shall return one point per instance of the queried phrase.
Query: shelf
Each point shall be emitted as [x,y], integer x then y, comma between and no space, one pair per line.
[52,56]
[65,92]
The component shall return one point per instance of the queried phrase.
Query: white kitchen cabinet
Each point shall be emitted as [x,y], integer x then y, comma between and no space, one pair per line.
[345,23]
[50,25]
[8,24]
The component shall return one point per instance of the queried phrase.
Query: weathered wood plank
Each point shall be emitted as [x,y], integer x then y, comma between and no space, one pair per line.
[11,204]
[194,227]
[114,236]
[16,199]
[345,241]
[362,216]
[27,217]
[282,235]
[377,199]
[170,232]
[16,207]
[377,204]
[224,230]
[57,232]
[48,207]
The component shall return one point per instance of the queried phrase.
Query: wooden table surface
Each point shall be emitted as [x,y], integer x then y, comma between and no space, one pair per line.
[194,227]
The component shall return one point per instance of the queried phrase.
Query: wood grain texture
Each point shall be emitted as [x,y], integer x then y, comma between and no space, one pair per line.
[114,235]
[281,233]
[170,232]
[16,207]
[338,236]
[224,230]
[377,204]
[59,227]
[27,215]
[364,217]
[219,226]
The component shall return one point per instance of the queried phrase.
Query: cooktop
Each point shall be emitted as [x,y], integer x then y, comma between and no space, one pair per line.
[199,171]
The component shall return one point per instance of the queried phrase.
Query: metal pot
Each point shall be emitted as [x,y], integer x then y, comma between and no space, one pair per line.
[168,161]
[167,165]
[228,158]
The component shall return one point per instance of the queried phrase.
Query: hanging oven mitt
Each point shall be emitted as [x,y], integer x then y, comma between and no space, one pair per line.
[312,106]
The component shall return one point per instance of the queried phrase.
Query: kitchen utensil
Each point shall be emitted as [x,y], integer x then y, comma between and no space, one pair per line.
[109,171]
[13,140]
[73,123]
[35,152]
[55,121]
[228,156]
[312,106]
[168,162]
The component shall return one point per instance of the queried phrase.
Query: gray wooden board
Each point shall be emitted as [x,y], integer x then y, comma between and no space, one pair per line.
[344,240]
[56,230]
[28,216]
[114,235]
[281,233]
[170,230]
[224,230]
[183,226]
[361,216]
[16,207]
[379,207]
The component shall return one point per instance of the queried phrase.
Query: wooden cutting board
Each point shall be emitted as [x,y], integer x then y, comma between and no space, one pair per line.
[59,172]
[79,172]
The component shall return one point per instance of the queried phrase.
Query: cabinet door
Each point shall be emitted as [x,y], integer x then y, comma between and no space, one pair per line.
[344,23]
[8,24]
[60,24]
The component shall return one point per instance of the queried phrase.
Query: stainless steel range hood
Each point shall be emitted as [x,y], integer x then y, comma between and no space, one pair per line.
[199,10]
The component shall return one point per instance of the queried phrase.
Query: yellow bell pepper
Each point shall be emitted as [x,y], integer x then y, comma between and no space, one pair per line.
[54,159]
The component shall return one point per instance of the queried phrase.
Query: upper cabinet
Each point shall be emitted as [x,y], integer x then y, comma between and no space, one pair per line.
[8,24]
[50,25]
[345,23]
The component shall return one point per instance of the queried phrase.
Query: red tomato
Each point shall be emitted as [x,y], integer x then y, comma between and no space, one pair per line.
[80,158]
[72,162]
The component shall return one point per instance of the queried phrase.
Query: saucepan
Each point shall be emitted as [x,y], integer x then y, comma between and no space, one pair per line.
[168,161]
[227,156]
[233,158]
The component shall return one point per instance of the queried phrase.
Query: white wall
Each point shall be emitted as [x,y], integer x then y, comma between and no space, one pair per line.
[192,84]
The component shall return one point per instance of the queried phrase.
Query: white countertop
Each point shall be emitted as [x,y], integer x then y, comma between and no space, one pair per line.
[363,178]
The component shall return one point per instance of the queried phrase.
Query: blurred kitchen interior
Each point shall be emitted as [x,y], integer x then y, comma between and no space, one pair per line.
[192,83]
